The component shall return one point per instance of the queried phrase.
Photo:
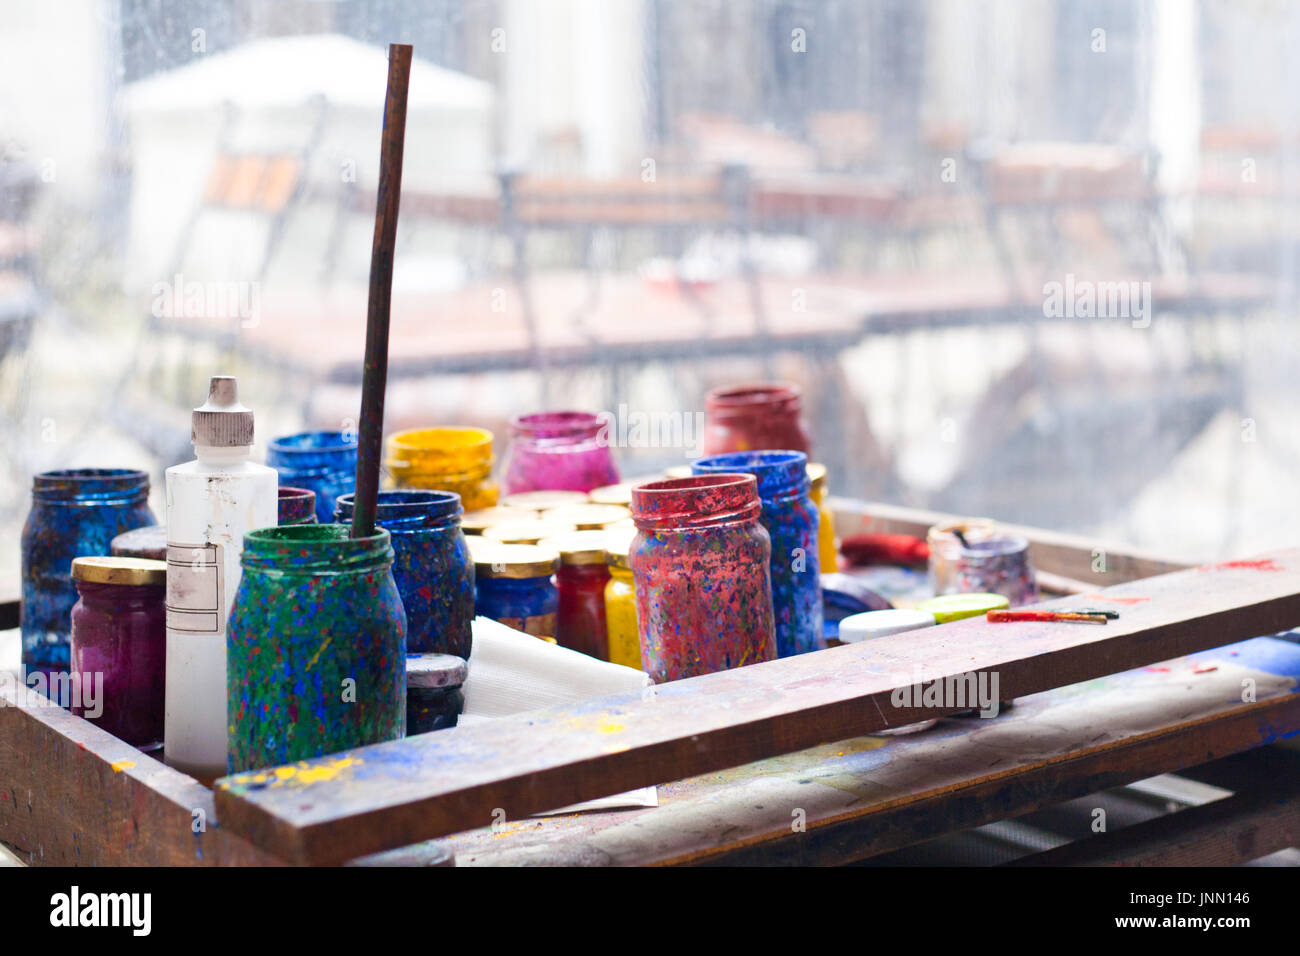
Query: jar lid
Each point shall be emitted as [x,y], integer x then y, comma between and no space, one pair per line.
[474,522]
[869,624]
[222,421]
[147,542]
[617,545]
[528,531]
[587,517]
[620,494]
[494,559]
[119,570]
[435,670]
[954,607]
[542,500]
[816,476]
[679,471]
[577,547]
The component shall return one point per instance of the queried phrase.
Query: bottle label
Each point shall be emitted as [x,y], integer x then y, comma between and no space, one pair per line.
[195,586]
[538,625]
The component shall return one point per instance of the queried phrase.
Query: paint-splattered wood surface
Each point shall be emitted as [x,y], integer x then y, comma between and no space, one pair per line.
[389,795]
[846,801]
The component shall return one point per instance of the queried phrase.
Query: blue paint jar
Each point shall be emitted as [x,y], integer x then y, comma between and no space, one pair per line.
[431,565]
[433,696]
[323,462]
[791,520]
[514,585]
[74,512]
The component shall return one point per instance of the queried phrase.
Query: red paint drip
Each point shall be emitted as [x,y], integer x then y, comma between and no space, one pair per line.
[1205,668]
[1111,599]
[1262,564]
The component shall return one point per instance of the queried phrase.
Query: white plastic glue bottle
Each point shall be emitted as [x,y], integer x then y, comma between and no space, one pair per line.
[212,503]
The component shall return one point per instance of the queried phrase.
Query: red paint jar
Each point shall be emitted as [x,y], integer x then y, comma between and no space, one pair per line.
[119,645]
[754,418]
[700,565]
[581,580]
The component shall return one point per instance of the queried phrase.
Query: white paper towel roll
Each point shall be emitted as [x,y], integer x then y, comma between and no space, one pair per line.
[511,672]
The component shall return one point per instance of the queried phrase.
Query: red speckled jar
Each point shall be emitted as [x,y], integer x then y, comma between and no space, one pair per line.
[558,451]
[703,587]
[754,418]
[581,580]
[119,645]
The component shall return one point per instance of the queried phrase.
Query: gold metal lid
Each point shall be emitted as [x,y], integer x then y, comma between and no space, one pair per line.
[678,471]
[577,547]
[817,476]
[617,544]
[120,570]
[526,531]
[493,559]
[620,494]
[541,500]
[587,517]
[474,522]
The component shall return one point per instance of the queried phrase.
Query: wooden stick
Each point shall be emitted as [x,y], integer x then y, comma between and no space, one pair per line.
[370,437]
[392,794]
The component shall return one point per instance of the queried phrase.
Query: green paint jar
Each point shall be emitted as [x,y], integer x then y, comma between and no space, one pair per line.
[316,646]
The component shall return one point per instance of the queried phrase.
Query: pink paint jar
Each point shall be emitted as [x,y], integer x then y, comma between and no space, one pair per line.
[700,566]
[566,451]
[119,645]
[754,418]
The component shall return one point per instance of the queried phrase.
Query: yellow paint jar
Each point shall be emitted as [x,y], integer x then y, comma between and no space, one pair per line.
[444,459]
[620,603]
[827,549]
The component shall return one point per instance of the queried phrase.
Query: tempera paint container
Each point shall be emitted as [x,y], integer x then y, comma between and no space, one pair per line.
[581,581]
[792,522]
[700,566]
[431,565]
[957,607]
[558,450]
[296,505]
[119,646]
[74,512]
[316,646]
[433,692]
[147,542]
[827,551]
[514,586]
[321,461]
[624,637]
[998,565]
[945,548]
[444,459]
[754,418]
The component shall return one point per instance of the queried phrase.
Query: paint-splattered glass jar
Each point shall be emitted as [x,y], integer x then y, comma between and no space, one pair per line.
[324,462]
[444,459]
[581,580]
[754,417]
[558,450]
[998,565]
[119,645]
[296,505]
[514,586]
[792,522]
[620,603]
[433,696]
[431,565]
[700,565]
[74,512]
[315,647]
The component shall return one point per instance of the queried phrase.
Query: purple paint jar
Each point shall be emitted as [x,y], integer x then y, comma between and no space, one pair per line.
[119,646]
[566,451]
[700,566]
[297,506]
[998,565]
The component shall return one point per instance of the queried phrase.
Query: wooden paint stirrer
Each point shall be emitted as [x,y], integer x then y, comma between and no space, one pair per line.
[374,379]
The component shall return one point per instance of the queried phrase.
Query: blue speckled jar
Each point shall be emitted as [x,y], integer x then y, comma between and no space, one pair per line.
[431,564]
[515,586]
[74,512]
[323,462]
[791,520]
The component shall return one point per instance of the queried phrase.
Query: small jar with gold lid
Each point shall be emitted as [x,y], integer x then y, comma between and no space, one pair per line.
[513,585]
[543,500]
[623,636]
[476,522]
[119,646]
[827,552]
[587,517]
[526,530]
[581,582]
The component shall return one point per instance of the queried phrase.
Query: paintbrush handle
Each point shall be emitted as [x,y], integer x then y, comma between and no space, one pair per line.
[1004,617]
[374,380]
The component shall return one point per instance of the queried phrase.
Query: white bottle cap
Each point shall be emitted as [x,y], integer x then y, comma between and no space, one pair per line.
[221,422]
[869,624]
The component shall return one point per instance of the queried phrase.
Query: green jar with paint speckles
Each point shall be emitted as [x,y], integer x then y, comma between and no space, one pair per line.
[316,646]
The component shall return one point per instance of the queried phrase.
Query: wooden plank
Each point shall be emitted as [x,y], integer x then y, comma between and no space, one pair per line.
[393,794]
[1262,817]
[857,798]
[74,795]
